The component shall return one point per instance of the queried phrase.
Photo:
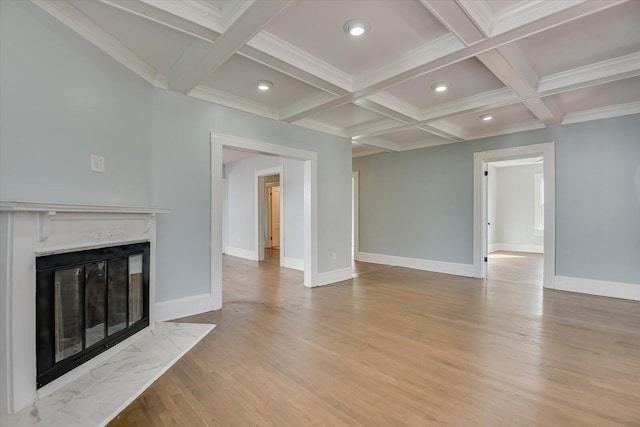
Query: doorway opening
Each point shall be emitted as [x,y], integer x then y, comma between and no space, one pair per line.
[269,214]
[515,220]
[309,160]
[485,236]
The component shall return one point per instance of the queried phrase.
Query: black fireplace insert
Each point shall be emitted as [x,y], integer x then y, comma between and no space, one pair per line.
[86,302]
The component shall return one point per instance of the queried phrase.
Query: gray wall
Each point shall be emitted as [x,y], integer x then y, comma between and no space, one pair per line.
[241,190]
[181,178]
[419,203]
[514,216]
[62,100]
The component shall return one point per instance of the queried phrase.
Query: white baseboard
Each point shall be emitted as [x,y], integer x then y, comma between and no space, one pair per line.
[419,264]
[294,263]
[516,247]
[182,307]
[241,253]
[333,276]
[598,287]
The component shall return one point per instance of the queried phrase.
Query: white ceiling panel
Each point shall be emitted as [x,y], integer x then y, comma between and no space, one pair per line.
[239,75]
[505,117]
[411,137]
[597,37]
[316,27]
[614,93]
[466,78]
[347,116]
[158,45]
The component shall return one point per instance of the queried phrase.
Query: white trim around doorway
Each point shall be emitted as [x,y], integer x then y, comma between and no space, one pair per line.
[480,160]
[310,161]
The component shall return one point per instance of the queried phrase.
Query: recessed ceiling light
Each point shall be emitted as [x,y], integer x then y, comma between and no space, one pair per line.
[486,117]
[264,85]
[356,27]
[440,87]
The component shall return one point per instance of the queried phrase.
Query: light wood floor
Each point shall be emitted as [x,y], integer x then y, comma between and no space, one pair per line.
[517,267]
[401,347]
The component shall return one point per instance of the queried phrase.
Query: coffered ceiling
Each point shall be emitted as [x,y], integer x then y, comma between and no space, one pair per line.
[526,63]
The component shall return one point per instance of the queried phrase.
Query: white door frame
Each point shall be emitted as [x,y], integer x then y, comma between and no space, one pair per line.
[356,214]
[259,203]
[480,160]
[310,159]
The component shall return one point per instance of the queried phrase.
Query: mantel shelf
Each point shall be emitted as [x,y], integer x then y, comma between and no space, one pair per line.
[23,206]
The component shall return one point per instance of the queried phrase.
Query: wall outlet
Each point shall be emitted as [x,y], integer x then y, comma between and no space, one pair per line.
[97,163]
[333,256]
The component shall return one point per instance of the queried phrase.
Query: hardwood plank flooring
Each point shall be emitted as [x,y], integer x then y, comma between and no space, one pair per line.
[396,347]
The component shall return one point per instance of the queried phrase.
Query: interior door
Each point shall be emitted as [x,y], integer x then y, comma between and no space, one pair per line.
[275,216]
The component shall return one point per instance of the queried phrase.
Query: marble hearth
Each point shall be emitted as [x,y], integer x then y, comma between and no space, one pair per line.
[31,229]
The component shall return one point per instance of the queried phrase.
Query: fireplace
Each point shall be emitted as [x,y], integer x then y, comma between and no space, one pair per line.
[86,302]
[99,266]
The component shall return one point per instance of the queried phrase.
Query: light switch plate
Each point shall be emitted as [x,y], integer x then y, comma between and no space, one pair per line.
[97,163]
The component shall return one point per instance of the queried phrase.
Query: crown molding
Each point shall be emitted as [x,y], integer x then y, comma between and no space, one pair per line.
[377,143]
[453,17]
[504,130]
[85,27]
[358,131]
[365,151]
[370,105]
[389,101]
[391,73]
[232,10]
[290,70]
[480,13]
[602,113]
[278,48]
[415,146]
[197,11]
[175,15]
[291,110]
[483,101]
[322,127]
[446,130]
[206,93]
[600,72]
[528,11]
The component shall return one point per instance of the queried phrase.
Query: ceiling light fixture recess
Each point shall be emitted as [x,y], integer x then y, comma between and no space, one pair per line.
[440,87]
[356,27]
[264,85]
[486,117]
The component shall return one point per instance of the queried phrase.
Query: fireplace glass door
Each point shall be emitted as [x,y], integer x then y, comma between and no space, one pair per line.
[86,302]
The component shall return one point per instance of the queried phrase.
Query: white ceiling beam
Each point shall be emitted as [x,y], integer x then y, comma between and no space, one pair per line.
[204,25]
[81,24]
[453,17]
[195,65]
[566,15]
[480,13]
[510,65]
[607,71]
[290,70]
[378,105]
[378,143]
[528,11]
[602,113]
[290,54]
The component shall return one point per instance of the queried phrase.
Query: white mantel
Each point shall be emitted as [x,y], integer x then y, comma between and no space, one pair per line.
[30,229]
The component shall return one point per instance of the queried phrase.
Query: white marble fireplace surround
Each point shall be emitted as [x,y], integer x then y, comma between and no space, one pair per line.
[30,229]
